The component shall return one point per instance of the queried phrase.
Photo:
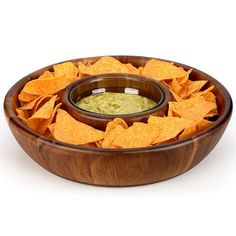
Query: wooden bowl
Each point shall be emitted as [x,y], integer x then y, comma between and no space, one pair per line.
[122,83]
[119,167]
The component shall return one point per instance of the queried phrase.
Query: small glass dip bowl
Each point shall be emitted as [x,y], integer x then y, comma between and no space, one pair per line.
[116,83]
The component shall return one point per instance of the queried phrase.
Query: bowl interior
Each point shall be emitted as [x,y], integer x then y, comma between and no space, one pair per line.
[224,103]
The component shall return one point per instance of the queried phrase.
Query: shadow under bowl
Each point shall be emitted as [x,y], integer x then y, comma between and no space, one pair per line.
[119,83]
[119,167]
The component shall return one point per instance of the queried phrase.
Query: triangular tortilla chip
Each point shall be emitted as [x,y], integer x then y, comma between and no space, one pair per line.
[25,97]
[169,127]
[42,114]
[44,124]
[22,113]
[191,87]
[176,97]
[132,69]
[194,108]
[194,128]
[113,129]
[137,135]
[175,86]
[110,137]
[46,75]
[104,65]
[67,69]
[203,92]
[161,70]
[183,80]
[31,105]
[69,130]
[45,111]
[112,124]
[40,102]
[48,86]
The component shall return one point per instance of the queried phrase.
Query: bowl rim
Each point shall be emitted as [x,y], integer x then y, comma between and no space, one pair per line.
[161,104]
[11,115]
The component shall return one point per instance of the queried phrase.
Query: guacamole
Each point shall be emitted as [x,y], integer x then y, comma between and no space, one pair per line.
[115,103]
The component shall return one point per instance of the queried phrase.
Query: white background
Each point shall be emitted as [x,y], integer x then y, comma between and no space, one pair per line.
[34,34]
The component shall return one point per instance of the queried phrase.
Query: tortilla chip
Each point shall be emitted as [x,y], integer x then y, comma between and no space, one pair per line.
[212,113]
[209,96]
[22,113]
[175,86]
[44,124]
[110,136]
[180,86]
[161,70]
[191,87]
[30,105]
[67,69]
[137,135]
[140,70]
[69,130]
[203,124]
[170,109]
[175,96]
[88,63]
[189,131]
[25,97]
[201,93]
[194,128]
[40,102]
[22,119]
[112,124]
[184,79]
[132,69]
[44,112]
[81,67]
[104,65]
[194,108]
[50,86]
[169,127]
[46,75]
[51,128]
[99,143]
[113,129]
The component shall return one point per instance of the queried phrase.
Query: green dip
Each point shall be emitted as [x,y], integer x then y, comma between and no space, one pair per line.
[115,103]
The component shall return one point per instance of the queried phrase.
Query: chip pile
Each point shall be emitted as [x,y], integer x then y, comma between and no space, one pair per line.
[190,111]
